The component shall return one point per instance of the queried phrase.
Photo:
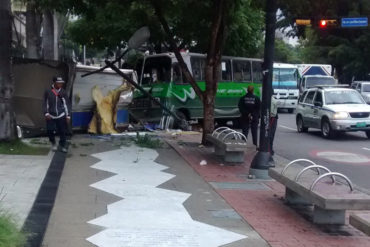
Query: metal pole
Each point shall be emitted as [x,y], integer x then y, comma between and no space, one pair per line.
[84,54]
[260,163]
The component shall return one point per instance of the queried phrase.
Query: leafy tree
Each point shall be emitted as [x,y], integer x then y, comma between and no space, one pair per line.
[285,53]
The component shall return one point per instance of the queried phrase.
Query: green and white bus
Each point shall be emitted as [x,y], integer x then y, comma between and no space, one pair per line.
[161,75]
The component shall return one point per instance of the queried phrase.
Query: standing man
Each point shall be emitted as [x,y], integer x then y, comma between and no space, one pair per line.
[249,107]
[273,124]
[57,113]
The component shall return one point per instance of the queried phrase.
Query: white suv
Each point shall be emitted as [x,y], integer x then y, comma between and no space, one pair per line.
[332,110]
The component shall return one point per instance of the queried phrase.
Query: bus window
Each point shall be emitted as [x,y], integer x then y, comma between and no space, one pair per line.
[257,71]
[156,70]
[242,71]
[177,74]
[225,70]
[197,67]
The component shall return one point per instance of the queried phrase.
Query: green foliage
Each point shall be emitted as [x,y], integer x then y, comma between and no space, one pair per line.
[147,141]
[286,53]
[37,141]
[104,24]
[10,236]
[19,148]
[244,32]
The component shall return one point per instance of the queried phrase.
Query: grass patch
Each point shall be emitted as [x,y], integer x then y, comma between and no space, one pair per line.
[18,147]
[39,142]
[148,142]
[10,236]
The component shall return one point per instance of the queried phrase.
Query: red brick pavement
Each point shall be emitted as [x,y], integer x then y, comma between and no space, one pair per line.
[264,210]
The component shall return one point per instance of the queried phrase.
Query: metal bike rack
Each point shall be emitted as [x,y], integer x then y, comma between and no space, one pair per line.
[295,161]
[218,129]
[226,132]
[237,134]
[318,167]
[332,174]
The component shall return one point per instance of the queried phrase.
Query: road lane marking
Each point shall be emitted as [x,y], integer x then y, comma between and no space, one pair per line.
[342,157]
[368,149]
[285,127]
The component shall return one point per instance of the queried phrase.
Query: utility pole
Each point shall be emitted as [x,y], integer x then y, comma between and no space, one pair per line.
[260,164]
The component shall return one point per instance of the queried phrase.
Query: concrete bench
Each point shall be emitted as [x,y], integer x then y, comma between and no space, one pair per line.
[361,222]
[330,193]
[229,144]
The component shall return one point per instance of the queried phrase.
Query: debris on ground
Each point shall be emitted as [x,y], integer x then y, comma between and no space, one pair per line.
[203,163]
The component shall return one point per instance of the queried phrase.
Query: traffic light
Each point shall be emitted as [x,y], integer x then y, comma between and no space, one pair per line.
[303,22]
[328,23]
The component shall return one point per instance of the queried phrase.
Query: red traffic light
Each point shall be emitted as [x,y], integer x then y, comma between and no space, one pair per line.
[328,23]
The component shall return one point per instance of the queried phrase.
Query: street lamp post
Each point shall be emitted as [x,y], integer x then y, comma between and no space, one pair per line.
[260,164]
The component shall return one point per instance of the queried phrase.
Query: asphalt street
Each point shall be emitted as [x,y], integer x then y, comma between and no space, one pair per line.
[349,153]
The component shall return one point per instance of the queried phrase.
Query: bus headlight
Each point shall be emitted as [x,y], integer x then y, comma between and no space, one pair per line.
[340,115]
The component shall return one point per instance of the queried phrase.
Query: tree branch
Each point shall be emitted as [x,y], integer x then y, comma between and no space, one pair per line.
[175,49]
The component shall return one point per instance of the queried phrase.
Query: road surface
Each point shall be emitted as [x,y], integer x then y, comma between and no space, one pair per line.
[349,153]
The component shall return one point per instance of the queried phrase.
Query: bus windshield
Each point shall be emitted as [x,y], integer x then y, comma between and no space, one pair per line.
[284,78]
[156,70]
[316,81]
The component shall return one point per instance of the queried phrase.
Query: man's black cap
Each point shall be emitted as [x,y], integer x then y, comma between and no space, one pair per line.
[58,79]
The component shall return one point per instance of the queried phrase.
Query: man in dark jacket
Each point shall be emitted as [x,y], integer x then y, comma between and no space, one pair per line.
[249,107]
[57,112]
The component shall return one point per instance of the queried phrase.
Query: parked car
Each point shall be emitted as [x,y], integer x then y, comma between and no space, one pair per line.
[363,87]
[332,109]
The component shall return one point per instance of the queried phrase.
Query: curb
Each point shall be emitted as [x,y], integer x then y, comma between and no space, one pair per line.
[37,220]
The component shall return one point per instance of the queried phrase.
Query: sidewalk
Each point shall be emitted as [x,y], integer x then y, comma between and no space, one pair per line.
[20,180]
[112,196]
[112,193]
[261,203]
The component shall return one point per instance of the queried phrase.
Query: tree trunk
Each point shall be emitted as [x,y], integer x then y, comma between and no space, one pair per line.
[7,119]
[213,67]
[48,35]
[209,116]
[32,31]
[185,70]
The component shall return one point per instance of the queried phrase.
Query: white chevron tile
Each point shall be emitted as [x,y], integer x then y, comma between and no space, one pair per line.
[147,215]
